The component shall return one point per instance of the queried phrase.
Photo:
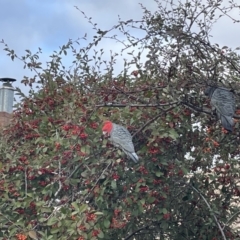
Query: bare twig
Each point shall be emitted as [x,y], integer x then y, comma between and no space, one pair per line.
[168,109]
[216,50]
[130,96]
[75,169]
[203,109]
[97,180]
[25,182]
[215,218]
[146,124]
[225,224]
[59,181]
[132,234]
[153,119]
[126,105]
[196,108]
[135,105]
[54,211]
[10,220]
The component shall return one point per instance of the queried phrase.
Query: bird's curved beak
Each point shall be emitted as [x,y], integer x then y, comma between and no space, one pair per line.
[104,133]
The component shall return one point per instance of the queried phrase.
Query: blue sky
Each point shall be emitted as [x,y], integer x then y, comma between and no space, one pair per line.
[29,24]
[48,24]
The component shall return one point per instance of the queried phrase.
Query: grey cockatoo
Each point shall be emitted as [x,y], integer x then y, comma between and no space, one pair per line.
[223,100]
[120,137]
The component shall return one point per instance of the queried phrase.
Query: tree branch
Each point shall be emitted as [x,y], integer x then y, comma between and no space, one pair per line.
[146,124]
[59,181]
[215,218]
[13,223]
[97,181]
[132,234]
[225,224]
[196,108]
[26,184]
[135,105]
[130,96]
[153,119]
[203,110]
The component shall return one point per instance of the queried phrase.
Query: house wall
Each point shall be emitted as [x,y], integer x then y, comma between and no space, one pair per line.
[4,119]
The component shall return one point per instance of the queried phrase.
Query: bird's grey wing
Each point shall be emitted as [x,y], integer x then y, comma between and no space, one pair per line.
[122,138]
[224,102]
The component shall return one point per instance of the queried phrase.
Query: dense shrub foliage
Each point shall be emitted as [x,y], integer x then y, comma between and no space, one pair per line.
[60,179]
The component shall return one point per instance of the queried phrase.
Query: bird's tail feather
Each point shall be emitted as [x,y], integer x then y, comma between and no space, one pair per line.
[227,123]
[133,156]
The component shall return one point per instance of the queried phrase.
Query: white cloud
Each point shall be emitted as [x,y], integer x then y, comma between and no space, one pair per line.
[48,24]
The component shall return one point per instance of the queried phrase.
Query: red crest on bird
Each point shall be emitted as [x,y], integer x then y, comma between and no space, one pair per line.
[107,127]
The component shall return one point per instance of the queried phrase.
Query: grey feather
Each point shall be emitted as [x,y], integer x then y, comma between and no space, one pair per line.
[223,100]
[121,137]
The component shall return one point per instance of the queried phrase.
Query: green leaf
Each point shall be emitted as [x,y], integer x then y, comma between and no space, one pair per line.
[85,149]
[164,211]
[85,174]
[75,205]
[42,220]
[158,174]
[151,199]
[104,142]
[51,221]
[106,223]
[98,213]
[32,234]
[164,225]
[13,231]
[83,208]
[129,200]
[140,207]
[74,181]
[113,184]
[173,134]
[45,149]
[101,235]
[185,171]
[55,230]
[46,209]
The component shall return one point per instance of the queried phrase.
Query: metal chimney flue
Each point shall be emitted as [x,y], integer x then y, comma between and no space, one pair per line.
[6,95]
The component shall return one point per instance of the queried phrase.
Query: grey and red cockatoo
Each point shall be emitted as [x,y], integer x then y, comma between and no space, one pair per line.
[223,100]
[121,138]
